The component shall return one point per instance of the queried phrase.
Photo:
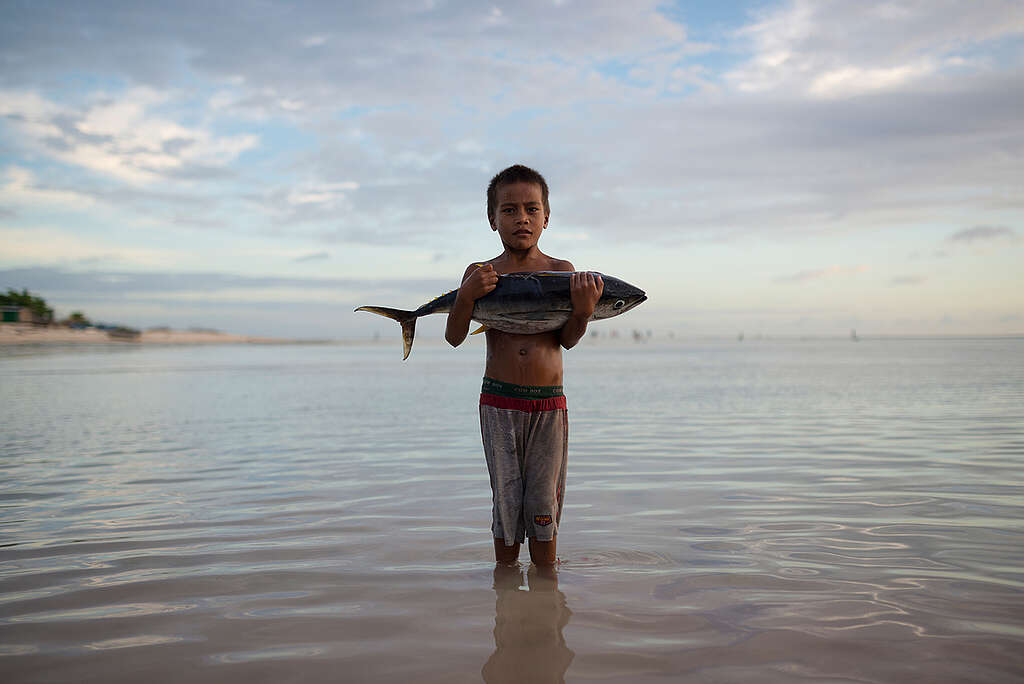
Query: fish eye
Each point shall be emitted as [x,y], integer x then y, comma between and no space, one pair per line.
[618,304]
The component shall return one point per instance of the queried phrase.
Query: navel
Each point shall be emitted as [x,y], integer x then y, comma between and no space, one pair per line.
[522,352]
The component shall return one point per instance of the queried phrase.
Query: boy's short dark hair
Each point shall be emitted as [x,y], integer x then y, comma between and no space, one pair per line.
[516,173]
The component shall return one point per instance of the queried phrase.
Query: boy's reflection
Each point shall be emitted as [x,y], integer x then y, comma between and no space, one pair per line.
[528,641]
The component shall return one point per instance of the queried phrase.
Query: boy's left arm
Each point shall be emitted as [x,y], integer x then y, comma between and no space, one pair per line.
[584,291]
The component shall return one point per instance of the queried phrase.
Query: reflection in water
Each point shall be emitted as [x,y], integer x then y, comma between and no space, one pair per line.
[528,641]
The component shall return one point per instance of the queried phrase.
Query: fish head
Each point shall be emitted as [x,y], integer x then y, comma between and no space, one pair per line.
[617,298]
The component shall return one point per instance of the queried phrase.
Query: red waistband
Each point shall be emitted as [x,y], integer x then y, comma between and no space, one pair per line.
[528,405]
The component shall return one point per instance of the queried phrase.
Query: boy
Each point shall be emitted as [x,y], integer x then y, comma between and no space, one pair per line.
[522,410]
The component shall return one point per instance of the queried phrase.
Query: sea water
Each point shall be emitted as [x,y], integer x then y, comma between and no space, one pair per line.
[757,511]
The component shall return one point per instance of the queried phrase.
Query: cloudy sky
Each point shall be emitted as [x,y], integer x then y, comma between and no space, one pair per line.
[787,168]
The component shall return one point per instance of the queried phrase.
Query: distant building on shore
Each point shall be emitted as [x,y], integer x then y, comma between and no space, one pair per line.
[19,314]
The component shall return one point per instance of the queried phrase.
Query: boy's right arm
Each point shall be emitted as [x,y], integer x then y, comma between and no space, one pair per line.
[476,282]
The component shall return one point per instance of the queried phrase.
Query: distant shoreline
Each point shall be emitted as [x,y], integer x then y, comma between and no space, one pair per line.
[25,334]
[14,333]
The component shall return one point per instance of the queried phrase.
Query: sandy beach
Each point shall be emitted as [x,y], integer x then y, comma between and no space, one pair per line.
[16,333]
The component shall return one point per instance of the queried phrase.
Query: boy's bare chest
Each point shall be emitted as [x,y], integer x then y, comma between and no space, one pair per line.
[503,267]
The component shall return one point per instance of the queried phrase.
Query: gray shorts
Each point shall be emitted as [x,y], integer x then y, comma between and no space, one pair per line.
[525,432]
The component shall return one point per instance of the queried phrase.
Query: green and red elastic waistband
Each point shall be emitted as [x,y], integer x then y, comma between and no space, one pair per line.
[521,397]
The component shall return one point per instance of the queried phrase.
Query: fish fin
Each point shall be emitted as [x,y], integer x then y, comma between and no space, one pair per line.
[479,330]
[407,319]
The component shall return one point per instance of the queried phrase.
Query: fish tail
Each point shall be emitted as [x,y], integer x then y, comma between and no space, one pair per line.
[407,319]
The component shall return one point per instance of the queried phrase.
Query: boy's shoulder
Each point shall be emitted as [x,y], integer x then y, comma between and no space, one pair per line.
[501,265]
[561,265]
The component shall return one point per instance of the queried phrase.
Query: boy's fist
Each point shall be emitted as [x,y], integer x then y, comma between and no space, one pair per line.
[479,282]
[585,289]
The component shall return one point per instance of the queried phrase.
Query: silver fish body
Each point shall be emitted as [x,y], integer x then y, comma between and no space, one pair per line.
[521,303]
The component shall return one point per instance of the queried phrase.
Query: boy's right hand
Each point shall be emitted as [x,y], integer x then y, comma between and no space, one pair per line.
[479,282]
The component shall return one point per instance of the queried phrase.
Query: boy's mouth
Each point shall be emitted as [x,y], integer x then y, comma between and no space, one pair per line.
[523,233]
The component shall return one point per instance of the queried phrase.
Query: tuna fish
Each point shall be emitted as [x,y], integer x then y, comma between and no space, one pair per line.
[522,303]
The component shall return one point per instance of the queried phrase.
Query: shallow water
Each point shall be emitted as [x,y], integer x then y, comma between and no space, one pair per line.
[765,511]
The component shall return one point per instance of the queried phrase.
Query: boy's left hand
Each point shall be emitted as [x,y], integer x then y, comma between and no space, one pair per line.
[585,289]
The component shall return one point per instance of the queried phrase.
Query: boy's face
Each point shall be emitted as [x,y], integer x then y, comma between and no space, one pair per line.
[519,217]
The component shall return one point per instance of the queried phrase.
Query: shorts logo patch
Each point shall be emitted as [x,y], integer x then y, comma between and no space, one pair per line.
[542,520]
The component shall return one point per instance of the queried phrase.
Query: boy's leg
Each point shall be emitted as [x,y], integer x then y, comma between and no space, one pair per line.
[500,429]
[508,554]
[542,553]
[546,459]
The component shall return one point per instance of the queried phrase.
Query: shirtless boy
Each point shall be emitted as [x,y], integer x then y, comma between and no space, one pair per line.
[522,409]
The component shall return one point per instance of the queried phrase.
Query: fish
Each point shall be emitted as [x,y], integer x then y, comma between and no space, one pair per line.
[521,303]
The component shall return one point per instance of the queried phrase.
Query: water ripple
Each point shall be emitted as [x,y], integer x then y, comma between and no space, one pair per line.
[782,512]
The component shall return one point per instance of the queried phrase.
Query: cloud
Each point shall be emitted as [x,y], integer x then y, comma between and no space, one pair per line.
[907,280]
[369,54]
[420,104]
[283,307]
[821,273]
[315,256]
[834,48]
[933,254]
[164,285]
[982,234]
[22,188]
[119,137]
[321,194]
[49,246]
[850,80]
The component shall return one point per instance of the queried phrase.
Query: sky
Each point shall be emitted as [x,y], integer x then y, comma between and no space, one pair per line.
[778,168]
